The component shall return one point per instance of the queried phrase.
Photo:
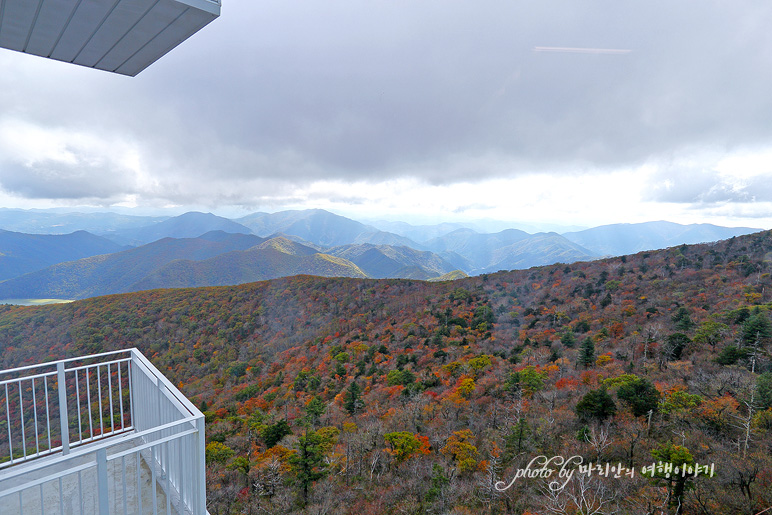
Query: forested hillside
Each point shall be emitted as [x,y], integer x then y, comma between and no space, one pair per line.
[330,395]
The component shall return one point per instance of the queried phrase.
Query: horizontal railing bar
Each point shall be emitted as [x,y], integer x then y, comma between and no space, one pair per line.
[151,444]
[170,425]
[58,448]
[27,378]
[138,357]
[68,360]
[29,459]
[96,438]
[46,479]
[100,364]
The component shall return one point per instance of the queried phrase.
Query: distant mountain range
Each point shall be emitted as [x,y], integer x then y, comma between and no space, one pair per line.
[419,232]
[506,250]
[322,228]
[621,239]
[122,253]
[120,272]
[277,257]
[188,225]
[22,253]
[56,221]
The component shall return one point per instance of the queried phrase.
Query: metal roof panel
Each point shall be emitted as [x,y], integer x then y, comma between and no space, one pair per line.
[171,36]
[53,17]
[17,19]
[147,28]
[124,36]
[118,24]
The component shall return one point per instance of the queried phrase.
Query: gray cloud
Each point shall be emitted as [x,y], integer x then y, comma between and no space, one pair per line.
[695,186]
[275,94]
[52,179]
[475,207]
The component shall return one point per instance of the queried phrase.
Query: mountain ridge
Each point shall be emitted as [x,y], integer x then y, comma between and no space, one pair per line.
[22,253]
[369,250]
[114,273]
[621,239]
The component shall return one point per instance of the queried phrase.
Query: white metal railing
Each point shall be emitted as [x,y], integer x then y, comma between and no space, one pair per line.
[106,433]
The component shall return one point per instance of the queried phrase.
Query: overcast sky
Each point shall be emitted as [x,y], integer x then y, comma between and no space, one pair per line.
[570,112]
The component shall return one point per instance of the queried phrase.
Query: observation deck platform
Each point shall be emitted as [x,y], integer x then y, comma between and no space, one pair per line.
[102,434]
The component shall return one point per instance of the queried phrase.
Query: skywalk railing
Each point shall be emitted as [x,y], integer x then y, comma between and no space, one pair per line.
[106,433]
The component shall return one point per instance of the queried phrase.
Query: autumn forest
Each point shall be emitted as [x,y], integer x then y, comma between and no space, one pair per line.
[397,396]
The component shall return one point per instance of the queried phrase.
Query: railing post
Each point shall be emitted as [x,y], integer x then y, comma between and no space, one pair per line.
[159,401]
[64,420]
[200,478]
[103,492]
[132,386]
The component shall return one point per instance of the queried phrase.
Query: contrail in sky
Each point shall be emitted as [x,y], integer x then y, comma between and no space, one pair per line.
[574,50]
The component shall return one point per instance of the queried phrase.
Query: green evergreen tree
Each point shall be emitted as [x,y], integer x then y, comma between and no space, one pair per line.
[640,394]
[353,402]
[308,464]
[731,354]
[568,339]
[515,441]
[757,326]
[764,391]
[682,319]
[274,433]
[677,484]
[587,353]
[596,404]
[315,409]
[582,326]
[675,345]
[440,482]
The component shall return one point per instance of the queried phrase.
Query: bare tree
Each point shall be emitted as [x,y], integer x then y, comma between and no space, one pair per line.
[651,501]
[598,438]
[327,498]
[745,423]
[713,384]
[268,479]
[652,333]
[487,491]
[581,494]
[376,463]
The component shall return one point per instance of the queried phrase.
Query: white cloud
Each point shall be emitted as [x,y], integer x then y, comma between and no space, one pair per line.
[437,108]
[584,199]
[59,163]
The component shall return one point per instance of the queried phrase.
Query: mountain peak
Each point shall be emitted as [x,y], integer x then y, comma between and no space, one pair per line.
[286,246]
[188,225]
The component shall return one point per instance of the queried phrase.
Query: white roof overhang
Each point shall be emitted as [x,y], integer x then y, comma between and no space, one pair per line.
[121,36]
